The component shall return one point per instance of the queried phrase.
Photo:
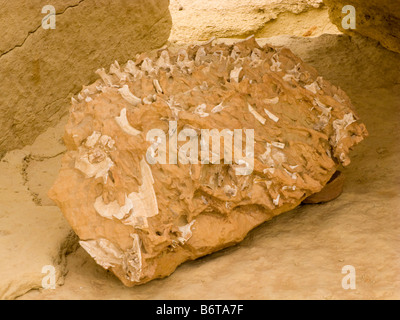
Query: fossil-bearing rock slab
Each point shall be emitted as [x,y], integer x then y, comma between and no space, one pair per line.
[145,184]
[40,69]
[376,19]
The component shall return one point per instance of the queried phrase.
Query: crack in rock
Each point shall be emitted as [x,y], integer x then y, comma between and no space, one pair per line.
[36,29]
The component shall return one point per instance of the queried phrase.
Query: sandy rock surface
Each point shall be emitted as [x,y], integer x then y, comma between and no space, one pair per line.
[33,232]
[204,19]
[376,19]
[40,69]
[300,254]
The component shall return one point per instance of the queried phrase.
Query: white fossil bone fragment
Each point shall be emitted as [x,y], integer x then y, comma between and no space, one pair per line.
[209,41]
[256,54]
[218,108]
[235,53]
[289,187]
[116,69]
[340,125]
[276,200]
[258,116]
[106,254]
[150,99]
[74,101]
[248,38]
[269,170]
[279,156]
[313,87]
[276,65]
[292,175]
[278,145]
[325,116]
[184,64]
[289,77]
[131,68]
[138,205]
[147,66]
[243,167]
[271,115]
[145,201]
[87,92]
[129,96]
[106,141]
[151,151]
[200,110]
[220,55]
[205,201]
[157,86]
[266,157]
[164,60]
[323,107]
[235,74]
[186,232]
[107,79]
[90,169]
[92,139]
[123,122]
[132,262]
[293,74]
[113,209]
[272,101]
[201,52]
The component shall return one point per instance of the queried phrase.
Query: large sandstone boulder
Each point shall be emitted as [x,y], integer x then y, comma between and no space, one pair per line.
[142,184]
[376,19]
[40,68]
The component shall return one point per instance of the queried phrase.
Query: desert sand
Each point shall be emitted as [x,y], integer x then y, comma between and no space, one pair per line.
[298,255]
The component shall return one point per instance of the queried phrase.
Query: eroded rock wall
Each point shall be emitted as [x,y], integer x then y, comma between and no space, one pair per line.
[203,19]
[376,19]
[40,69]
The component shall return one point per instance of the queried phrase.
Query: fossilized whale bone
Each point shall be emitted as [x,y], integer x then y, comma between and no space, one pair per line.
[143,203]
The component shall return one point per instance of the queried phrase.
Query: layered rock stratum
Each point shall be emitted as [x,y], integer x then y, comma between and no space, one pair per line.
[142,204]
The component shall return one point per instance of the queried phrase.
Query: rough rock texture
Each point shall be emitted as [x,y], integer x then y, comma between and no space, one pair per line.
[376,19]
[204,19]
[40,69]
[140,218]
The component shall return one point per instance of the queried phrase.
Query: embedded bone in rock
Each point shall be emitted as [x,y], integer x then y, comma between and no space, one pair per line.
[178,154]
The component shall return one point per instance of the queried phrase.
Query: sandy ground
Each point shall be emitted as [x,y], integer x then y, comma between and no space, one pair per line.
[300,254]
